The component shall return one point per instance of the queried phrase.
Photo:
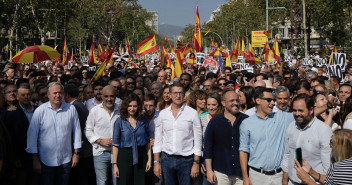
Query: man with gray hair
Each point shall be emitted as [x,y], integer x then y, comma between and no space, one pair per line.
[53,130]
[310,75]
[282,96]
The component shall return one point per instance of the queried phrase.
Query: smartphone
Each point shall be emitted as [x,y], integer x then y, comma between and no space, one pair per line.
[299,156]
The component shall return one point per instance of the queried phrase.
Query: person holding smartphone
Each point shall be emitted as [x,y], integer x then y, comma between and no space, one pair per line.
[306,137]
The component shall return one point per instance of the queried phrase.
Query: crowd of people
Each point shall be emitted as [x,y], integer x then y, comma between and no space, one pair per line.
[287,124]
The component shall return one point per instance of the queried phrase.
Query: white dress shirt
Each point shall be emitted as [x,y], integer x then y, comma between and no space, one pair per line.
[91,103]
[315,143]
[178,136]
[100,125]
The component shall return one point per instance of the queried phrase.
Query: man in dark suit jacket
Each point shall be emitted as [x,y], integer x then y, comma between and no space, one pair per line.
[84,172]
[16,118]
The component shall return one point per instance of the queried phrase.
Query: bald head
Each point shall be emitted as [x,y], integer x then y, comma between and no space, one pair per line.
[259,83]
[162,76]
[109,96]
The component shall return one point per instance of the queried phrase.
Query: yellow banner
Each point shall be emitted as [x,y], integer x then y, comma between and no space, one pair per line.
[258,39]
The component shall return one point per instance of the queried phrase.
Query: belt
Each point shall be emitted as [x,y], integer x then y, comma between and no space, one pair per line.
[178,156]
[271,172]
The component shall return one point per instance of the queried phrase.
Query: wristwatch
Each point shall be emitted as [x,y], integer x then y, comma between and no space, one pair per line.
[157,161]
[196,161]
[77,153]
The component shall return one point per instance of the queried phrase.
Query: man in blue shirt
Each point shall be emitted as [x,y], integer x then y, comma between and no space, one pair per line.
[53,130]
[221,143]
[262,139]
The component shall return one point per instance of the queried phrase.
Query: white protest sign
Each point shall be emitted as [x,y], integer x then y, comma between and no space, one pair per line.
[200,58]
[287,58]
[321,62]
[307,62]
[246,67]
[338,65]
[93,68]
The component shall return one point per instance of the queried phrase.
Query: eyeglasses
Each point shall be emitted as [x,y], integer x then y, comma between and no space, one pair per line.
[318,92]
[268,99]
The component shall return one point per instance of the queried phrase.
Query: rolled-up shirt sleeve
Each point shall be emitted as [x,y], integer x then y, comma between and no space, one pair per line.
[116,138]
[77,135]
[89,130]
[33,133]
[158,135]
[244,138]
[197,134]
[208,141]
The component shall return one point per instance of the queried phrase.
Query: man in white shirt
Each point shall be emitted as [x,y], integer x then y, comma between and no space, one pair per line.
[178,138]
[99,131]
[311,135]
[97,99]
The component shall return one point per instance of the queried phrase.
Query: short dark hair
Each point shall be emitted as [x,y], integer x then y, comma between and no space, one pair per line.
[211,75]
[71,90]
[307,99]
[187,74]
[259,92]
[98,83]
[345,85]
[149,97]
[177,84]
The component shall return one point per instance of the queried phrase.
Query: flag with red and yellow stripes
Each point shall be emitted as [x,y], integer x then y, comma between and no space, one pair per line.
[148,45]
[197,40]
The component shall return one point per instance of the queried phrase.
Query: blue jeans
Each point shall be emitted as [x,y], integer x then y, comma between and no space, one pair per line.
[102,166]
[176,169]
[58,175]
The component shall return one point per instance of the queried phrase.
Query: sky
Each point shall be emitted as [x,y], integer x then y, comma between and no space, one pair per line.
[181,12]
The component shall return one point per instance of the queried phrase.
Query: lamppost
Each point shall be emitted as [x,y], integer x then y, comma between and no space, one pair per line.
[267,12]
[222,43]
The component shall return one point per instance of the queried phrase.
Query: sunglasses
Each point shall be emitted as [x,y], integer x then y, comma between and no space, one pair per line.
[318,92]
[131,83]
[268,99]
[221,84]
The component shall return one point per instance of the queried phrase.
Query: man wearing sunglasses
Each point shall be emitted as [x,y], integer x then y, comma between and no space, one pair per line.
[262,140]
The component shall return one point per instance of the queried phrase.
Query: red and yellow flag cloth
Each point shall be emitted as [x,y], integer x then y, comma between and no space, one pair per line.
[334,50]
[164,56]
[101,52]
[36,53]
[65,54]
[197,40]
[180,45]
[276,51]
[269,34]
[102,67]
[235,51]
[178,63]
[128,47]
[92,59]
[148,45]
[172,50]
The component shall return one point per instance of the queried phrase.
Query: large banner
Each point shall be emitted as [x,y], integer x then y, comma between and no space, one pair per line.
[258,39]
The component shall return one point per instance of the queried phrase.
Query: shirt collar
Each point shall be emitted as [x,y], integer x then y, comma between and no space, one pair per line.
[181,109]
[307,127]
[115,107]
[63,105]
[32,108]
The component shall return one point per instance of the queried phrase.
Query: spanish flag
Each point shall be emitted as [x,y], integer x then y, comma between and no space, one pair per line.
[164,56]
[65,54]
[128,47]
[243,46]
[148,45]
[197,40]
[334,50]
[92,59]
[100,52]
[276,51]
[235,51]
[178,64]
[102,67]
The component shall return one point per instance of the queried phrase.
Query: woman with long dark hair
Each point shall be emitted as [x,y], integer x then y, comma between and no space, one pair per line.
[131,149]
[245,94]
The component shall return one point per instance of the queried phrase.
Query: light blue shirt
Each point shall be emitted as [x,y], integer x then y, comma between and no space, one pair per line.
[264,139]
[28,114]
[50,133]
